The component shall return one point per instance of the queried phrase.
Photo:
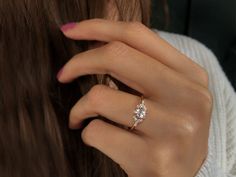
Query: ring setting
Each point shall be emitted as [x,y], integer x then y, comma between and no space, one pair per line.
[139,113]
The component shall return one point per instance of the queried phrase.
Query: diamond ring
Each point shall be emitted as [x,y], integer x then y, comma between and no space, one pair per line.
[139,113]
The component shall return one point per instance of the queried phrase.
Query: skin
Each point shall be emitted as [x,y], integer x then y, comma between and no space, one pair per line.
[173,139]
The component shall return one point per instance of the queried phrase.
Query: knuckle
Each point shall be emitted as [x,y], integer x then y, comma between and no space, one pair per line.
[191,126]
[95,95]
[195,119]
[89,132]
[200,98]
[206,98]
[203,75]
[186,127]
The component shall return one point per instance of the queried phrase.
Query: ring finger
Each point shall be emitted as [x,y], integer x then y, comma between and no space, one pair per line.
[118,107]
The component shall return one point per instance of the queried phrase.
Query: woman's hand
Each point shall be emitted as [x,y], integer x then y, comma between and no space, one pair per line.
[173,139]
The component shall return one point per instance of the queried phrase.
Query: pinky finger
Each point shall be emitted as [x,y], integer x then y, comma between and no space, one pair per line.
[120,145]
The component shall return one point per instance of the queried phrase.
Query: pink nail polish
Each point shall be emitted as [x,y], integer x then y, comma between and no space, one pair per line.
[59,73]
[68,26]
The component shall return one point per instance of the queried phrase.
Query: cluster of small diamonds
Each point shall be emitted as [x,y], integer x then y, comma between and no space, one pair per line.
[140,112]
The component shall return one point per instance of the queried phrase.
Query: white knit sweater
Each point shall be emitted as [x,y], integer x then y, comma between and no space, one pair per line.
[221,159]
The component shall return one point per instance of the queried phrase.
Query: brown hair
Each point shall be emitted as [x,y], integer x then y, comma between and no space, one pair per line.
[35,140]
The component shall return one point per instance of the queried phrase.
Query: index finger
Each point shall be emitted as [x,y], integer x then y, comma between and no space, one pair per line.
[137,36]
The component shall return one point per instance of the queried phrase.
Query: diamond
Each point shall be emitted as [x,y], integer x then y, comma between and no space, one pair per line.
[140,112]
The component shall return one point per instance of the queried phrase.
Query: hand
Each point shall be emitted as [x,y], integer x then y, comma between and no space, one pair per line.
[173,139]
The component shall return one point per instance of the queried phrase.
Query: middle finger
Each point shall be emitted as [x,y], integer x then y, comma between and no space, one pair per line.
[126,64]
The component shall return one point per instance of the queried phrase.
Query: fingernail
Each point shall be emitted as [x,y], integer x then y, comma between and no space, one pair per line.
[59,73]
[68,26]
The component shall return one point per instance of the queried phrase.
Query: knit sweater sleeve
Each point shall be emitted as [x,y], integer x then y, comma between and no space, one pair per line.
[226,98]
[221,158]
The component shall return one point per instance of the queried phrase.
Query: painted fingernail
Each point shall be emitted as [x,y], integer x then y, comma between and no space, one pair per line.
[59,73]
[68,26]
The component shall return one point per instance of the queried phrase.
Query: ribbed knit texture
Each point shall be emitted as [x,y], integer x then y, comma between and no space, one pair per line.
[221,159]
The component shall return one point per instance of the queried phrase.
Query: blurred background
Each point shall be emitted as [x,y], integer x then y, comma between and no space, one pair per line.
[212,22]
